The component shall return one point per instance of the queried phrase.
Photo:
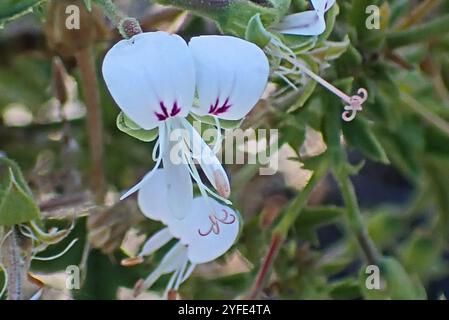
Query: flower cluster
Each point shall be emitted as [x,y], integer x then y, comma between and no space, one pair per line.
[157,80]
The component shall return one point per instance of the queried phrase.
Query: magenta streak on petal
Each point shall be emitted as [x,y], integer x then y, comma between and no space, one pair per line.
[175,110]
[216,110]
[215,227]
[164,115]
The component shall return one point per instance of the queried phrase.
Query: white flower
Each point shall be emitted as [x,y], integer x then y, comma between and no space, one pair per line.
[153,77]
[307,23]
[207,232]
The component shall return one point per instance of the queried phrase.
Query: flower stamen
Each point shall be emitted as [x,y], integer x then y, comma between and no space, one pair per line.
[215,227]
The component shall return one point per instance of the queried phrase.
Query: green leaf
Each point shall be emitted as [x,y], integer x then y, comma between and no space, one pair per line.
[88,4]
[300,44]
[17,174]
[384,226]
[127,126]
[293,133]
[358,134]
[400,286]
[306,93]
[421,255]
[13,9]
[345,289]
[256,32]
[331,50]
[313,217]
[16,206]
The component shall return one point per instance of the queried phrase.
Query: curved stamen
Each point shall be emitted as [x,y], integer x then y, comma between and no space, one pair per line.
[2,267]
[355,105]
[5,280]
[223,220]
[56,256]
[215,227]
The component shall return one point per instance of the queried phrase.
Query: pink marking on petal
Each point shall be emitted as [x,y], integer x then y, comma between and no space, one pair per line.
[164,115]
[175,110]
[216,110]
[214,107]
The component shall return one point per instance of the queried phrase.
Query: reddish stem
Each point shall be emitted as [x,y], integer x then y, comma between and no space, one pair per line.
[89,82]
[264,272]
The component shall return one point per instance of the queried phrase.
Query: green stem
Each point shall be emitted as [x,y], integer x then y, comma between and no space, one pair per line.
[424,32]
[354,217]
[197,5]
[127,26]
[86,64]
[14,266]
[300,201]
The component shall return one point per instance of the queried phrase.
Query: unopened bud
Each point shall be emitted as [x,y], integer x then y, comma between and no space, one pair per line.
[129,27]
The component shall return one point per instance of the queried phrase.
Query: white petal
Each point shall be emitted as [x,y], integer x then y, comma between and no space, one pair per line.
[321,6]
[231,75]
[177,178]
[152,198]
[207,242]
[172,260]
[154,202]
[307,23]
[209,163]
[188,272]
[157,241]
[148,72]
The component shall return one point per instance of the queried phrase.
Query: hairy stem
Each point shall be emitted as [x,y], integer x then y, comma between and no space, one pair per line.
[89,81]
[14,266]
[127,26]
[199,5]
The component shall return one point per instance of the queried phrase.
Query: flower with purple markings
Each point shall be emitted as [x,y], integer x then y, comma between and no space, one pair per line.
[207,232]
[157,80]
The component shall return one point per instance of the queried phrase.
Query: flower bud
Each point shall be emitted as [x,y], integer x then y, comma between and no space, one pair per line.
[129,27]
